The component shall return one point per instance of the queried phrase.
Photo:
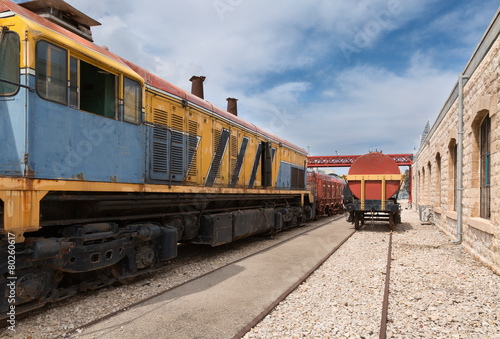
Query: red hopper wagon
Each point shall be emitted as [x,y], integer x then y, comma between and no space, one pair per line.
[327,192]
[374,180]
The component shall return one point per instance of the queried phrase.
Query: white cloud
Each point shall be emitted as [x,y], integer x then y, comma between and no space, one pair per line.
[242,44]
[375,108]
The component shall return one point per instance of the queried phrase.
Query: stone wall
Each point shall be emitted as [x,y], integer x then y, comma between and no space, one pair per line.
[434,167]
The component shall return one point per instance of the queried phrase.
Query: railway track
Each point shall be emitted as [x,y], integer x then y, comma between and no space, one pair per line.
[384,304]
[202,261]
[292,288]
[184,303]
[256,320]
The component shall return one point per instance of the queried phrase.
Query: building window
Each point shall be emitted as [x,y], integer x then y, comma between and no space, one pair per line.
[429,187]
[454,156]
[485,168]
[9,62]
[438,179]
[51,72]
[422,187]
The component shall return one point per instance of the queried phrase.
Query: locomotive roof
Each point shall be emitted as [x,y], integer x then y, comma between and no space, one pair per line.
[148,77]
[37,6]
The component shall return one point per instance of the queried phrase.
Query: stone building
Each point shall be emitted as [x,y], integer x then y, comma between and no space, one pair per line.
[458,174]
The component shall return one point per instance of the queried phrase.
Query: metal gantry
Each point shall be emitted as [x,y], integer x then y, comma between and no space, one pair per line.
[347,160]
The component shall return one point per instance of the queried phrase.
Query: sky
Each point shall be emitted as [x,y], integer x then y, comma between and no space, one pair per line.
[331,76]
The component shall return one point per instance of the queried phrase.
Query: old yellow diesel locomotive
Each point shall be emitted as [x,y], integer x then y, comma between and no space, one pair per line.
[105,167]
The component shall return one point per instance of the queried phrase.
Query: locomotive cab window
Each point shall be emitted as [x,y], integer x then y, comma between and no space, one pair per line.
[132,100]
[98,91]
[65,79]
[51,72]
[9,62]
[73,83]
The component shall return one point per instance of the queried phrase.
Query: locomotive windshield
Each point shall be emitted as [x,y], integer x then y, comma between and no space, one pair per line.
[9,62]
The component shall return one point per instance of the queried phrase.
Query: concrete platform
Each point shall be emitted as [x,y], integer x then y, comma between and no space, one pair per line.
[221,303]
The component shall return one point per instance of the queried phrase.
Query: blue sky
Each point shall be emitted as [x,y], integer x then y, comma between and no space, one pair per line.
[328,75]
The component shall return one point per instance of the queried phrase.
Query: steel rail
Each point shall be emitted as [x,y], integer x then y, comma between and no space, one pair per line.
[107,316]
[385,303]
[292,288]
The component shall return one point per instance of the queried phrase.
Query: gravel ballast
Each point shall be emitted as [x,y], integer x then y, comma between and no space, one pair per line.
[54,320]
[437,290]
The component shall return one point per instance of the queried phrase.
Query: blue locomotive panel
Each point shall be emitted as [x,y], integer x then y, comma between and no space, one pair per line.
[66,143]
[290,177]
[12,136]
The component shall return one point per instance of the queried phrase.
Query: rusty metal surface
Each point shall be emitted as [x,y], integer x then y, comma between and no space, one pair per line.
[211,298]
[292,288]
[21,211]
[232,106]
[385,304]
[372,164]
[197,86]
[26,184]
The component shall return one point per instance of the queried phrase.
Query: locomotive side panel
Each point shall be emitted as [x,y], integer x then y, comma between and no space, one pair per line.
[106,167]
[12,105]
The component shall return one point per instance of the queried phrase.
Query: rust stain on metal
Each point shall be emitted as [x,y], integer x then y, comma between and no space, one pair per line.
[21,211]
[30,173]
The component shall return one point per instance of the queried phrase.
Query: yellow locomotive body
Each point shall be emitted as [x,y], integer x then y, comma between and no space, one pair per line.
[105,167]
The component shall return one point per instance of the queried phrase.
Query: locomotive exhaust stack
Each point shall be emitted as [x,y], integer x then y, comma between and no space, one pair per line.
[232,106]
[197,85]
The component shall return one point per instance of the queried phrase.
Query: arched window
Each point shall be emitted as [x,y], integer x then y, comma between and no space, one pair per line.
[485,149]
[429,183]
[438,179]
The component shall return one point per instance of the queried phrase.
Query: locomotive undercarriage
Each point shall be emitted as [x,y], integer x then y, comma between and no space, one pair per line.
[329,209]
[90,241]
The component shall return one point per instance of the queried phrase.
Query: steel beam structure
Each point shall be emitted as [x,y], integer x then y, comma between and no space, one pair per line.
[347,160]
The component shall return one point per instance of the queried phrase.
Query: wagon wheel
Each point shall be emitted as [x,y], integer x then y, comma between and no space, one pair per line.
[391,220]
[356,221]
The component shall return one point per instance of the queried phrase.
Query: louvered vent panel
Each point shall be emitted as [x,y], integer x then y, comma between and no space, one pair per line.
[177,137]
[159,166]
[177,156]
[193,145]
[217,150]
[160,117]
[234,152]
[177,122]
